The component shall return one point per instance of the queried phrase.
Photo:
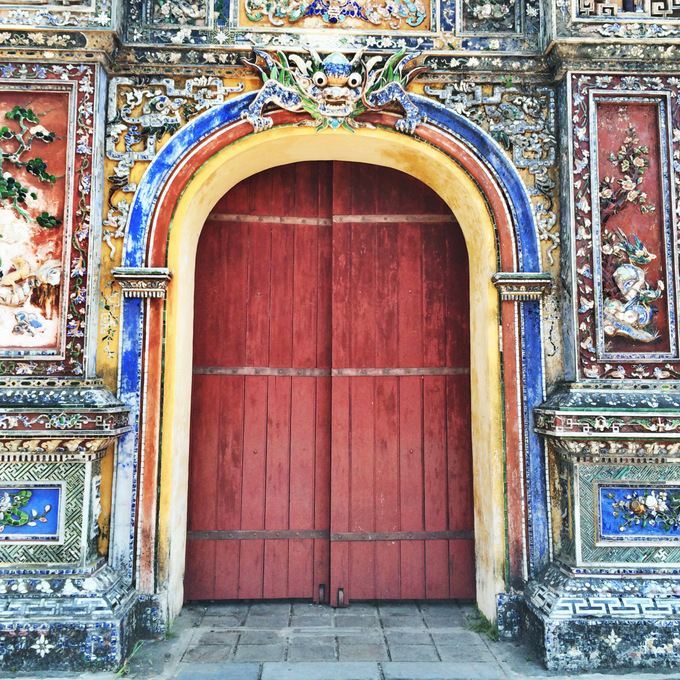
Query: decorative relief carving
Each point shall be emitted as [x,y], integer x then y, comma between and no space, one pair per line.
[624,267]
[56,13]
[615,450]
[494,16]
[45,242]
[395,15]
[492,25]
[522,286]
[335,90]
[142,282]
[153,109]
[523,122]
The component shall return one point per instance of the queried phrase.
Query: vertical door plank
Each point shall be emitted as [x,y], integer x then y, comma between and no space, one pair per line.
[254,475]
[277,503]
[387,553]
[200,563]
[435,485]
[411,485]
[257,321]
[387,296]
[461,501]
[362,487]
[340,484]
[301,488]
[322,484]
[306,296]
[410,296]
[229,480]
[281,300]
[434,294]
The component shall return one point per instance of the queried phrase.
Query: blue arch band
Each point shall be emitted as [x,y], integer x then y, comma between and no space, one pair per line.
[529,260]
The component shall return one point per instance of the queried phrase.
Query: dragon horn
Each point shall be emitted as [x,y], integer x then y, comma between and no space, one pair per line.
[357,57]
[315,56]
[371,63]
[299,62]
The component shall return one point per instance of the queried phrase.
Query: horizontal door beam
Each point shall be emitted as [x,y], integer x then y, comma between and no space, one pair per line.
[328,372]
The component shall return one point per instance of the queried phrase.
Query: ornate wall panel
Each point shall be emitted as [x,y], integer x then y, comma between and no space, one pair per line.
[493,25]
[52,14]
[625,137]
[46,142]
[648,19]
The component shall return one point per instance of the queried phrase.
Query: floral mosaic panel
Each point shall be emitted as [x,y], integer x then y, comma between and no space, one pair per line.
[30,476]
[610,497]
[502,16]
[646,514]
[625,139]
[650,19]
[46,131]
[31,513]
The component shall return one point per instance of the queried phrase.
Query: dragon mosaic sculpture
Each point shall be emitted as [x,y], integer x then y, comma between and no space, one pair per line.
[335,90]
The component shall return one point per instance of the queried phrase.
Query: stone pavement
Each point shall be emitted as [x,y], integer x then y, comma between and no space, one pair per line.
[301,641]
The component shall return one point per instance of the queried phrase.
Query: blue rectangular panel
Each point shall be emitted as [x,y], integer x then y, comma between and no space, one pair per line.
[639,513]
[31,512]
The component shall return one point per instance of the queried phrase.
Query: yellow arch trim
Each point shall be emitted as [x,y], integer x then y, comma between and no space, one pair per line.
[280,146]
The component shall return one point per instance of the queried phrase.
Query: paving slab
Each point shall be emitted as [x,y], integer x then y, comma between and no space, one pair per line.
[260,637]
[311,619]
[413,653]
[216,638]
[234,671]
[208,654]
[259,653]
[321,671]
[400,637]
[441,671]
[463,653]
[357,621]
[361,651]
[305,649]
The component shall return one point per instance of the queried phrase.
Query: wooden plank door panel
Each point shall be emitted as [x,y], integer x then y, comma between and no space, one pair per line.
[260,447]
[400,312]
[358,269]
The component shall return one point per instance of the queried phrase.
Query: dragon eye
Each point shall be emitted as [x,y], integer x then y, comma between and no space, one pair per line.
[354,80]
[320,79]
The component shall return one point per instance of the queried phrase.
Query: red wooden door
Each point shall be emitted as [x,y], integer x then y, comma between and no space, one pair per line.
[330,445]
[259,458]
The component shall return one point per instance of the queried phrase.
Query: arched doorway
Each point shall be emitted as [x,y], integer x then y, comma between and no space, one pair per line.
[179,190]
[330,447]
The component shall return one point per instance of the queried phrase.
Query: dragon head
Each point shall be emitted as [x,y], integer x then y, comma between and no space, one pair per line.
[334,83]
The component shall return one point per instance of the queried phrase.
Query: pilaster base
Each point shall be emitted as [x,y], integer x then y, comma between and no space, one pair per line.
[583,621]
[66,621]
